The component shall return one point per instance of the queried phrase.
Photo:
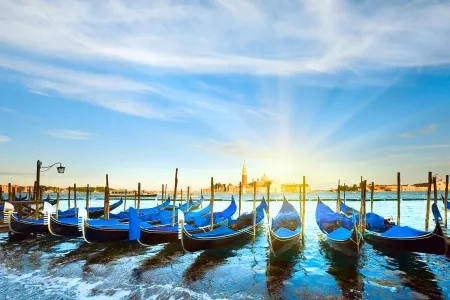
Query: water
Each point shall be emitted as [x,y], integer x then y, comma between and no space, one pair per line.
[62,268]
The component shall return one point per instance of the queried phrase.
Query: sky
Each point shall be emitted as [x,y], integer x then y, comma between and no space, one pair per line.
[134,89]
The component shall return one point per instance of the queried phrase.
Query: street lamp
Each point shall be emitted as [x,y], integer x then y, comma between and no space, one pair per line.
[39,166]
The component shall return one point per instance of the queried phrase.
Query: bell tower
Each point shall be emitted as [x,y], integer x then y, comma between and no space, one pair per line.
[244,175]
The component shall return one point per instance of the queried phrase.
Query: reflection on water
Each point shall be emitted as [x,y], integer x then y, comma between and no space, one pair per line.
[345,269]
[205,262]
[280,269]
[69,268]
[415,272]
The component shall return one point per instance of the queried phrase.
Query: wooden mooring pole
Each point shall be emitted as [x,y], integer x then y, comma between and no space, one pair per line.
[87,198]
[371,197]
[446,201]
[399,188]
[125,202]
[174,197]
[435,189]
[139,199]
[106,200]
[240,197]
[254,210]
[345,188]
[304,203]
[75,199]
[162,194]
[338,199]
[9,192]
[181,197]
[427,213]
[68,198]
[188,197]
[212,203]
[269,183]
[57,204]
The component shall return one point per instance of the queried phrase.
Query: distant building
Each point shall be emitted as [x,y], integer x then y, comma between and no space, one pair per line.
[244,175]
[294,187]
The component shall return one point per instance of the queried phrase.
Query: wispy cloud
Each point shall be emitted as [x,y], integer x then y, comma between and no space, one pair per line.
[429,129]
[69,134]
[4,139]
[39,93]
[5,109]
[234,36]
[236,148]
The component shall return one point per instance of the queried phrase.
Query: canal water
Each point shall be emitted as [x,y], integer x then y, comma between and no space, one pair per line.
[68,268]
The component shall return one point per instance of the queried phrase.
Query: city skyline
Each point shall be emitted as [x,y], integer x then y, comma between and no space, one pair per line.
[313,95]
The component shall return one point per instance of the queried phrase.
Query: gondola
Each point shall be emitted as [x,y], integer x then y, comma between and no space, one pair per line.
[63,226]
[286,228]
[97,231]
[188,206]
[148,234]
[221,237]
[20,225]
[94,212]
[347,210]
[340,231]
[22,198]
[405,238]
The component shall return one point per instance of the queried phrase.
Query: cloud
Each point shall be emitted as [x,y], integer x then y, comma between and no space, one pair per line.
[4,139]
[236,148]
[5,109]
[429,129]
[39,93]
[234,36]
[69,134]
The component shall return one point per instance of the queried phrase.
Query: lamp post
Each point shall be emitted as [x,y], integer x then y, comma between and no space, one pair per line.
[39,169]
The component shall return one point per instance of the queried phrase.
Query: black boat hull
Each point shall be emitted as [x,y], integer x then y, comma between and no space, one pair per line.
[151,237]
[433,242]
[58,227]
[280,245]
[103,235]
[192,244]
[350,246]
[24,227]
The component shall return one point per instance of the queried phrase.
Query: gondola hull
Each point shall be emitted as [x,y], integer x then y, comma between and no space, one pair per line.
[103,235]
[192,244]
[281,245]
[61,228]
[350,246]
[22,226]
[432,242]
[154,237]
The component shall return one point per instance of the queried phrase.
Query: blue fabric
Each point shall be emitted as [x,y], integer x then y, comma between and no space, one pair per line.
[71,221]
[134,231]
[347,210]
[143,212]
[220,231]
[285,233]
[39,221]
[375,222]
[403,232]
[340,234]
[218,216]
[188,217]
[327,219]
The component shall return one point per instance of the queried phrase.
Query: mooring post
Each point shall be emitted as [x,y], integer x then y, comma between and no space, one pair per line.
[139,199]
[399,188]
[13,193]
[9,192]
[162,194]
[269,183]
[165,191]
[361,205]
[125,202]
[212,203]
[304,203]
[338,199]
[201,192]
[68,198]
[57,204]
[135,199]
[435,189]
[427,213]
[174,197]
[371,197]
[75,199]
[240,197]
[446,201]
[345,188]
[254,210]
[29,193]
[87,198]
[181,197]
[188,199]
